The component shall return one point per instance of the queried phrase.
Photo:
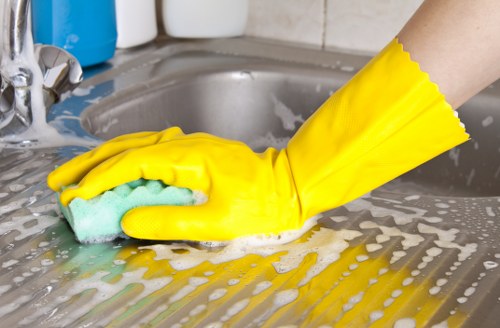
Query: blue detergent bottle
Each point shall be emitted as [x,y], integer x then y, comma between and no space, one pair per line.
[85,28]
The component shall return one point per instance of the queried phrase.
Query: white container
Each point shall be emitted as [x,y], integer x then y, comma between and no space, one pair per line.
[135,22]
[205,18]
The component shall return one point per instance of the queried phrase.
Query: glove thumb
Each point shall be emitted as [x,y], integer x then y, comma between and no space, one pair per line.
[195,223]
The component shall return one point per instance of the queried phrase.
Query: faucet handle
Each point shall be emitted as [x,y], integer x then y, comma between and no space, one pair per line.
[61,70]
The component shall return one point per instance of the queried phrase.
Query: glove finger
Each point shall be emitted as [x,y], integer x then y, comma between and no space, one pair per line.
[196,223]
[187,161]
[74,170]
[171,162]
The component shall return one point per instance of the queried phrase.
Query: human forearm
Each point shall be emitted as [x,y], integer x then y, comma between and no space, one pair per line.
[457,43]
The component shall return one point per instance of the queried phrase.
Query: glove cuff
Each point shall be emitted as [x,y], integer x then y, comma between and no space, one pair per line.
[388,119]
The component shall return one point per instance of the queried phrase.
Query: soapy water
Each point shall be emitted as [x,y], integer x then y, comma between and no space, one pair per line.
[399,227]
[326,244]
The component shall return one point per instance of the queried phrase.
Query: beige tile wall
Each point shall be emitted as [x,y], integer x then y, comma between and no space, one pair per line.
[359,25]
[287,20]
[366,25]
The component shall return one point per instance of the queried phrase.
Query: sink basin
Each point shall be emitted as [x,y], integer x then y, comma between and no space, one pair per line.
[422,250]
[263,103]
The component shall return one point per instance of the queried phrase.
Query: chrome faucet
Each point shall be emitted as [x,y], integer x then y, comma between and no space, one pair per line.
[23,64]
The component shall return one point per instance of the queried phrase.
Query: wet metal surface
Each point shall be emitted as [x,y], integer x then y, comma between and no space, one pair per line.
[422,250]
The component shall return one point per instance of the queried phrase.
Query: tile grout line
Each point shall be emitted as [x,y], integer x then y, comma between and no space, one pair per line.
[325,15]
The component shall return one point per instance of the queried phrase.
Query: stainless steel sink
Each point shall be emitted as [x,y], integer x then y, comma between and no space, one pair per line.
[422,249]
[263,102]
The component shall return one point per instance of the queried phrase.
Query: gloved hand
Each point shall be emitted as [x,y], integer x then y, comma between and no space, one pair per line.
[387,120]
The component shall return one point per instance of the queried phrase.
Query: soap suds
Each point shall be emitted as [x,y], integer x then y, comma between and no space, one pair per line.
[288,118]
[235,309]
[487,121]
[104,292]
[326,243]
[489,265]
[405,323]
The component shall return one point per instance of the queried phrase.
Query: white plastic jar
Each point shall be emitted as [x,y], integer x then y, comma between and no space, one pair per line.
[135,22]
[205,18]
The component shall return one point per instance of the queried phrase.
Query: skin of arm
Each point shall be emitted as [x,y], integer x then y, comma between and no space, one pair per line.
[457,42]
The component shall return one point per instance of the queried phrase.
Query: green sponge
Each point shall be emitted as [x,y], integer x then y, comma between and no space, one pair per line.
[97,220]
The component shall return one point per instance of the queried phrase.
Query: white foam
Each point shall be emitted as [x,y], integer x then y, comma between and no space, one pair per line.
[107,125]
[261,286]
[469,291]
[382,238]
[46,262]
[434,251]
[454,155]
[285,297]
[409,240]
[268,140]
[9,263]
[442,324]
[441,282]
[405,323]
[396,256]
[376,315]
[12,206]
[373,247]
[326,243]
[487,121]
[347,68]
[288,118]
[105,291]
[407,281]
[443,235]
[4,289]
[233,281]
[199,197]
[353,301]
[216,294]
[16,303]
[197,310]
[193,283]
[81,91]
[400,217]
[235,309]
[489,211]
[19,223]
[11,175]
[465,251]
[396,293]
[362,258]
[488,265]
[388,302]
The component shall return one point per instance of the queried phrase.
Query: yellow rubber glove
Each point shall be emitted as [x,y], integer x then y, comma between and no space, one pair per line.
[387,120]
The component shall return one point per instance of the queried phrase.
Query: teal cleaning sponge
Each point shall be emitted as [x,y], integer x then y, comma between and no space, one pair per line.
[97,220]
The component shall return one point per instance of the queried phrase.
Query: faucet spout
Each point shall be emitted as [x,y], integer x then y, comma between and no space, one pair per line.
[16,20]
[33,77]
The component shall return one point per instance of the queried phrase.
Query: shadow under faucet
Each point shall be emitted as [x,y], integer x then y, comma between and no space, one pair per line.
[33,77]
